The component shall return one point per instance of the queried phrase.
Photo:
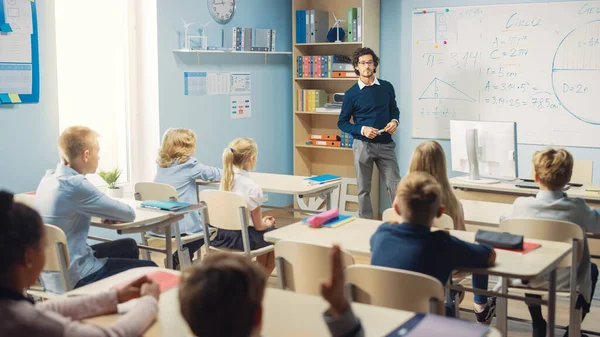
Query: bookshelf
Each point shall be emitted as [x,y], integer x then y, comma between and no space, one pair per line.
[310,159]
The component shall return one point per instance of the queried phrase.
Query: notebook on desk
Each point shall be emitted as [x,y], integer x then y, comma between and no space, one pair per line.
[336,222]
[165,205]
[322,179]
[422,325]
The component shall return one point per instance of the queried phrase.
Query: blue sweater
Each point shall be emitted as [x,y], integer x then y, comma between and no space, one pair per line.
[373,106]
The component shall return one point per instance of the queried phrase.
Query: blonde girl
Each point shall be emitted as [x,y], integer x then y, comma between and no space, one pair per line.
[178,167]
[239,158]
[429,157]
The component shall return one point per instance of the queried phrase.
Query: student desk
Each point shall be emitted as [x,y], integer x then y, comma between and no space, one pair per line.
[285,313]
[507,192]
[355,236]
[288,184]
[147,220]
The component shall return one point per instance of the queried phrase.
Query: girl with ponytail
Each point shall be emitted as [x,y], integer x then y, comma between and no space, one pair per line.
[238,158]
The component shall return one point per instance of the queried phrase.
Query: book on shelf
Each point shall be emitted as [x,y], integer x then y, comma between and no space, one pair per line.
[321,66]
[331,110]
[310,99]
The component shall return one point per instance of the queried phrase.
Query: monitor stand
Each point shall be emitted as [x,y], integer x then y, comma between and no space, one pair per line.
[472,146]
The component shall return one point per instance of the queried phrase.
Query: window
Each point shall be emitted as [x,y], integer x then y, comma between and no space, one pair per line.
[94,76]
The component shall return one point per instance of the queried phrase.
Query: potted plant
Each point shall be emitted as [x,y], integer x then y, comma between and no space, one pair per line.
[111,177]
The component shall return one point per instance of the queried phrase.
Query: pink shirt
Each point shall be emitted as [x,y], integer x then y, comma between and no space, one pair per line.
[61,318]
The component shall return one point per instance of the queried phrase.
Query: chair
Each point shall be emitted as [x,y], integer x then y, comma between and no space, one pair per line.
[301,267]
[582,171]
[554,230]
[57,261]
[395,288]
[24,198]
[158,191]
[228,211]
[443,222]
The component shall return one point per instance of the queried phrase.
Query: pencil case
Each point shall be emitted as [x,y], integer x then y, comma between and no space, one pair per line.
[499,240]
[319,219]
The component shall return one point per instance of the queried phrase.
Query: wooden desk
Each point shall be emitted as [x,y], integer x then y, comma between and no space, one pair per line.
[355,237]
[507,192]
[147,220]
[287,184]
[285,313]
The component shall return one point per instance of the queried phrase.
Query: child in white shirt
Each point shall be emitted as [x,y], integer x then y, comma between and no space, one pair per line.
[239,158]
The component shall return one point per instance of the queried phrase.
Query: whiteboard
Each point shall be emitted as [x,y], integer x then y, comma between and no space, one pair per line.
[535,64]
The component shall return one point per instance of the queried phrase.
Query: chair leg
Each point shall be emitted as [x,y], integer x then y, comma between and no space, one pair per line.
[145,252]
[574,322]
[457,305]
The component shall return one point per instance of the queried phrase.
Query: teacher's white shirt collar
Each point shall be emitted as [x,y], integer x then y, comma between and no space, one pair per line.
[362,84]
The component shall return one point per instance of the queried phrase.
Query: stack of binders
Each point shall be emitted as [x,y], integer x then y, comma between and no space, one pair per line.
[249,39]
[324,140]
[311,26]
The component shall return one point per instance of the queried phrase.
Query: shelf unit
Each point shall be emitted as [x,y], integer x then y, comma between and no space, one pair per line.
[309,159]
[221,52]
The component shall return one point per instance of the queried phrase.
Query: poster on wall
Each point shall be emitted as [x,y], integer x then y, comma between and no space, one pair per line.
[241,83]
[240,107]
[218,83]
[195,83]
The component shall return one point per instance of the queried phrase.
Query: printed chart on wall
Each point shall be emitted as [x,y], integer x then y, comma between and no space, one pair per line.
[206,83]
[241,107]
[19,61]
[535,64]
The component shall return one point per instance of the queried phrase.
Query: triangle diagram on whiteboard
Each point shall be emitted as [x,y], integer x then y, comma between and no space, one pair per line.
[439,89]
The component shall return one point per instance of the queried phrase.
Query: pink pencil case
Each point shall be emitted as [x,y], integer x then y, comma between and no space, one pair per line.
[319,219]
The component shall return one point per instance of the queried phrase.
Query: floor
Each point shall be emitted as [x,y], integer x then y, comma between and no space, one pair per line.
[515,309]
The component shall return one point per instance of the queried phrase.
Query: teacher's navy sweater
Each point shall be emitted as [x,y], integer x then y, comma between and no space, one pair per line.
[374,106]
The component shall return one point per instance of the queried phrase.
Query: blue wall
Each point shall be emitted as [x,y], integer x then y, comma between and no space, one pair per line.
[28,132]
[396,63]
[271,121]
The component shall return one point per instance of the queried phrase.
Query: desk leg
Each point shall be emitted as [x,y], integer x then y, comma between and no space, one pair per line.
[328,200]
[182,254]
[168,246]
[552,304]
[502,309]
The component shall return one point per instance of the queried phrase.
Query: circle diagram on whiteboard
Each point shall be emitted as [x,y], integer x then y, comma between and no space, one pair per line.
[576,72]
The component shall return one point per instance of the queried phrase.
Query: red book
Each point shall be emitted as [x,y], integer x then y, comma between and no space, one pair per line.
[527,247]
[164,279]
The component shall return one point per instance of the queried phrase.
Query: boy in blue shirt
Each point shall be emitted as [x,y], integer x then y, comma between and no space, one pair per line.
[413,246]
[66,199]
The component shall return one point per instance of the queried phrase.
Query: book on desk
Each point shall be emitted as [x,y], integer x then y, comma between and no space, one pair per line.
[322,179]
[422,325]
[164,205]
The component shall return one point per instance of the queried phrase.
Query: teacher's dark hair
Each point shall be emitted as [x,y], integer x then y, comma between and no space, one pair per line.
[362,52]
[21,227]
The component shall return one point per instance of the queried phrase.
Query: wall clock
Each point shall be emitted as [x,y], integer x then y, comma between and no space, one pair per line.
[221,10]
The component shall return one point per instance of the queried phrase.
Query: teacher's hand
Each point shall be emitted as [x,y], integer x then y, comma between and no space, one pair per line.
[370,132]
[391,127]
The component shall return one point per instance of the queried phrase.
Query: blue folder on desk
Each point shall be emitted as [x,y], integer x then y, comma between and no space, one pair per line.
[322,179]
[165,205]
[422,325]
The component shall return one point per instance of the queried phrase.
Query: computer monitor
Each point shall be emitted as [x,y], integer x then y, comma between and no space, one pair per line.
[484,149]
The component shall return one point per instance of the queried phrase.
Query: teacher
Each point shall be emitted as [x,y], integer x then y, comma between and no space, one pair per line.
[371,103]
